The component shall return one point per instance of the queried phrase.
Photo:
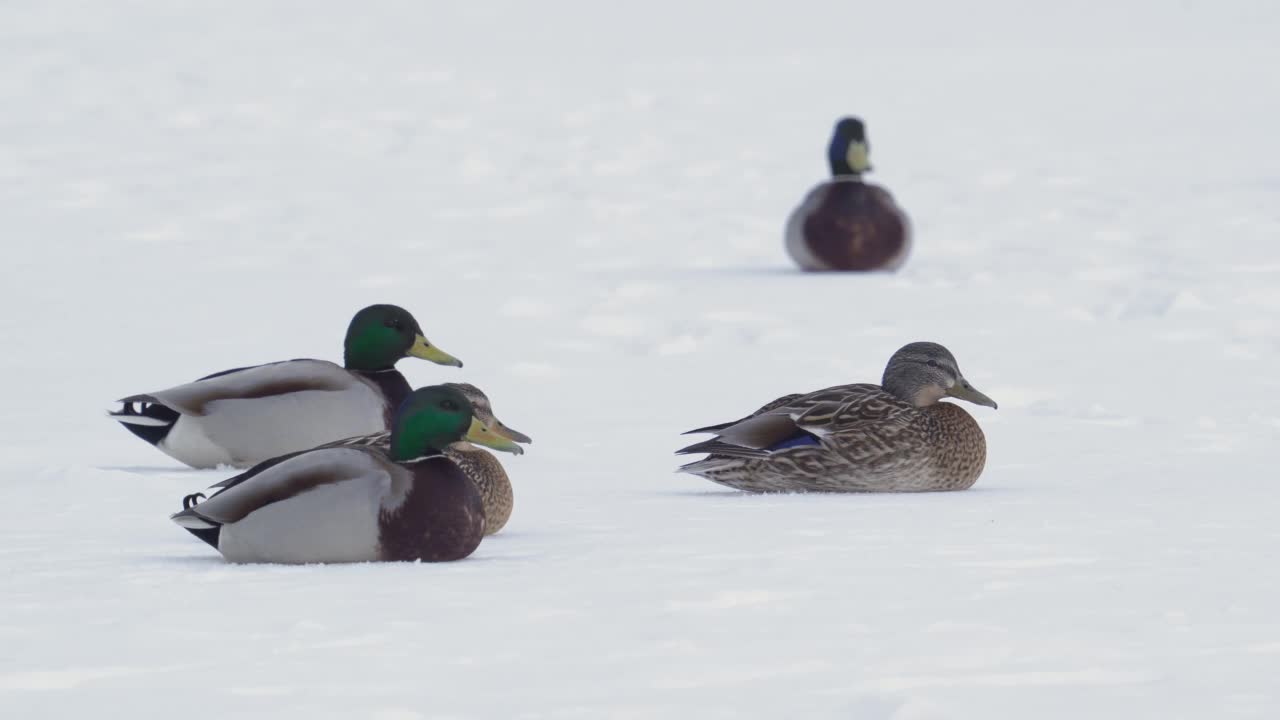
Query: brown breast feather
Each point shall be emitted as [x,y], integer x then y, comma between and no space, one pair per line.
[856,227]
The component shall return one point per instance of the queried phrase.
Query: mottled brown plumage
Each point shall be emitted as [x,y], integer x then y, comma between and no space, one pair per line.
[490,479]
[894,437]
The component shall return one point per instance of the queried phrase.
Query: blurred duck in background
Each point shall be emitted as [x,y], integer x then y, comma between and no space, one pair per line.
[845,223]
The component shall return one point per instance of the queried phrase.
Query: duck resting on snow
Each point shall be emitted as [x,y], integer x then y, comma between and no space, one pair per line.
[244,416]
[478,464]
[845,223]
[892,437]
[339,504]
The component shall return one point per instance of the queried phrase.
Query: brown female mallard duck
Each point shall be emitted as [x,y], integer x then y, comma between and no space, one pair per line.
[892,437]
[845,223]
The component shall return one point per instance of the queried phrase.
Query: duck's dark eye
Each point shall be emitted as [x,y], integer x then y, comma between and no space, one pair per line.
[933,363]
[449,405]
[393,324]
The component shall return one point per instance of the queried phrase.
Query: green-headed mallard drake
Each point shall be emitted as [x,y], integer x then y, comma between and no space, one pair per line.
[357,504]
[478,464]
[244,416]
[845,223]
[892,437]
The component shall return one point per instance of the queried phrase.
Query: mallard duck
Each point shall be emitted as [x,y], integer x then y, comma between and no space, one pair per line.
[892,437]
[845,223]
[357,504]
[479,465]
[244,416]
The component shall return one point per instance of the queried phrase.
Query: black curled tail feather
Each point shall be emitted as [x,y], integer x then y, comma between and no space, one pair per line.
[209,532]
[146,418]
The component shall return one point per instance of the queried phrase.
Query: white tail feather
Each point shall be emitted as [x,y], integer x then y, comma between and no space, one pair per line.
[138,420]
[192,521]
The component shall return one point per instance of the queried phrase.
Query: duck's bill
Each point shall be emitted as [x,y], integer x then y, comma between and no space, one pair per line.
[858,157]
[481,434]
[964,391]
[423,349]
[515,435]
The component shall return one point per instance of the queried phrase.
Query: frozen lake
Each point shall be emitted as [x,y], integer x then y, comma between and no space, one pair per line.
[585,204]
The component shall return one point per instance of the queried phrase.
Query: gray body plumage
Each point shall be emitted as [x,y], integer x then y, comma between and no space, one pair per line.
[316,507]
[253,414]
[342,505]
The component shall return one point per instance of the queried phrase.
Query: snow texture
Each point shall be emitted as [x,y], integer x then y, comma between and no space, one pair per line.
[584,202]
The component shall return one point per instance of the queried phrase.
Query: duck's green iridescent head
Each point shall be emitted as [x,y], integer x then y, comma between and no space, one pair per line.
[433,418]
[849,152]
[380,335]
[922,373]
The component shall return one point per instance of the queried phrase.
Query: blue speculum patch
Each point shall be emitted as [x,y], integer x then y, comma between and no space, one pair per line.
[800,440]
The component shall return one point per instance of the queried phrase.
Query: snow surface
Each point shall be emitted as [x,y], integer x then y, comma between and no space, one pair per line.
[584,202]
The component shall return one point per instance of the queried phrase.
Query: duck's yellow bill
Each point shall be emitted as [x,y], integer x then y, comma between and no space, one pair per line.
[509,433]
[858,157]
[480,434]
[422,348]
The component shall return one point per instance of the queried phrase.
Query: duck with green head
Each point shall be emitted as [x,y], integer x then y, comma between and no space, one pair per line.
[891,437]
[244,416]
[478,464]
[405,502]
[846,223]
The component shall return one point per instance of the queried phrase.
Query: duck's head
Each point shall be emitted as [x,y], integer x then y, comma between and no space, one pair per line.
[380,335]
[433,418]
[922,373]
[849,152]
[483,410]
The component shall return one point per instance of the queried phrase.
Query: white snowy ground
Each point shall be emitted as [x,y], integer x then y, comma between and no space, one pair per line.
[584,203]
